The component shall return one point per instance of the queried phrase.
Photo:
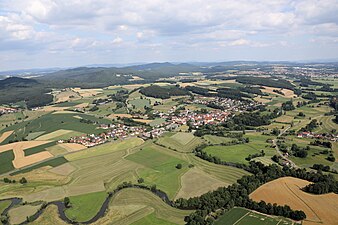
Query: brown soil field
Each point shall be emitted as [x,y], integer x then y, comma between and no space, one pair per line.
[195,182]
[319,209]
[260,99]
[287,93]
[5,135]
[28,160]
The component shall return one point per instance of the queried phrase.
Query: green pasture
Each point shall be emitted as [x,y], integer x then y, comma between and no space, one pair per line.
[160,169]
[85,207]
[237,153]
[6,159]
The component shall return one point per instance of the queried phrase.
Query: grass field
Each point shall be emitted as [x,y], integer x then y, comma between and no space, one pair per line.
[135,205]
[160,169]
[105,148]
[287,190]
[238,153]
[152,220]
[182,142]
[6,159]
[216,140]
[84,207]
[4,205]
[243,216]
[139,104]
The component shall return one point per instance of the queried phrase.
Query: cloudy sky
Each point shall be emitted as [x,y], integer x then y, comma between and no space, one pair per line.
[63,33]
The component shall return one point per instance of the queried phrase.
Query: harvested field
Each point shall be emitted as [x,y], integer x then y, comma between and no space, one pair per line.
[183,138]
[319,209]
[49,216]
[67,95]
[143,121]
[182,142]
[64,169]
[82,105]
[195,182]
[106,148]
[53,135]
[19,214]
[287,93]
[87,92]
[113,116]
[72,147]
[51,108]
[5,135]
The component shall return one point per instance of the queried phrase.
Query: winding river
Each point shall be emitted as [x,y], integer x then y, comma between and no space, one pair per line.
[101,213]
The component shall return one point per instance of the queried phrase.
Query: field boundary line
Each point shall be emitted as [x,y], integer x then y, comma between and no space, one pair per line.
[240,218]
[293,193]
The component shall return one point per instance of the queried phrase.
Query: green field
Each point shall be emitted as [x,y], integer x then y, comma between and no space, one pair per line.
[243,216]
[216,140]
[152,220]
[4,205]
[6,159]
[139,104]
[237,153]
[105,148]
[160,169]
[136,206]
[182,142]
[85,207]
[37,149]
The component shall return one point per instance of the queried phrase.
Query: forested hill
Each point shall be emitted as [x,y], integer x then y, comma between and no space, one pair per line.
[101,76]
[17,82]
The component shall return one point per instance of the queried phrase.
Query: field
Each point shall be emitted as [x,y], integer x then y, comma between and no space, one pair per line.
[160,169]
[195,182]
[6,159]
[318,208]
[19,214]
[53,122]
[85,207]
[182,142]
[4,205]
[243,216]
[238,153]
[49,216]
[135,205]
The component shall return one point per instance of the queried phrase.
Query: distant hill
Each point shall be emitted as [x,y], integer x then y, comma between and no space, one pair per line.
[17,82]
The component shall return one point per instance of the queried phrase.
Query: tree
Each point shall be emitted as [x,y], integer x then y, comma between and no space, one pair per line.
[140,180]
[66,202]
[179,166]
[23,181]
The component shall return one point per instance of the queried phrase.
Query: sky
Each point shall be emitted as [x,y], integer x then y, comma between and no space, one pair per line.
[69,33]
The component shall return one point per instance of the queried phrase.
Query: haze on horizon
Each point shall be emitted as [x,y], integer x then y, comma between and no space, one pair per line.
[68,33]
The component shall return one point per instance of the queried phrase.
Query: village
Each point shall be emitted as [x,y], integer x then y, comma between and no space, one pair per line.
[8,110]
[324,136]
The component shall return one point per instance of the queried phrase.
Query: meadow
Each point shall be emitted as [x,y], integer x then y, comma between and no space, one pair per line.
[85,207]
[183,142]
[238,152]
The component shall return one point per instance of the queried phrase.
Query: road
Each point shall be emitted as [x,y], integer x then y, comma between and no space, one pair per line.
[274,141]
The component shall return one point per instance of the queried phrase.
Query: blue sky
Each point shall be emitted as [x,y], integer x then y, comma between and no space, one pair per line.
[65,33]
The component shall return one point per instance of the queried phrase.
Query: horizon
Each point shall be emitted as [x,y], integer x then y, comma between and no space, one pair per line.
[47,34]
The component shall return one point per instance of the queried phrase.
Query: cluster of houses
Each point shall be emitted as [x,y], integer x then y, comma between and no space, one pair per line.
[115,131]
[7,110]
[325,136]
[224,103]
